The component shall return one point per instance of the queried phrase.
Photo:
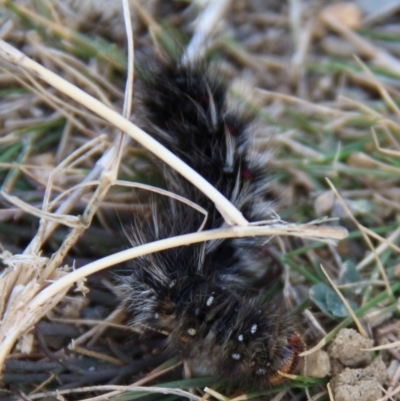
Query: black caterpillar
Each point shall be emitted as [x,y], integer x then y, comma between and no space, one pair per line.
[199,293]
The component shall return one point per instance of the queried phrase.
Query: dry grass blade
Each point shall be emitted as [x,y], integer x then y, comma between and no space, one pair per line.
[304,231]
[74,177]
[364,231]
[158,390]
[331,398]
[348,307]
[215,394]
[206,23]
[149,377]
[388,152]
[18,287]
[69,221]
[230,213]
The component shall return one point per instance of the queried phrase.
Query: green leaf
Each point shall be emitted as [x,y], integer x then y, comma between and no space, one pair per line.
[329,302]
[351,274]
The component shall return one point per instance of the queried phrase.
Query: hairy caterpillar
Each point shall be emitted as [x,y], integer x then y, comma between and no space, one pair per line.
[199,294]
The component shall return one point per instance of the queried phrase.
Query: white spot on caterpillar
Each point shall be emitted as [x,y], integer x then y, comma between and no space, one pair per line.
[253,329]
[172,283]
[156,316]
[210,300]
[261,371]
[235,356]
[240,337]
[192,332]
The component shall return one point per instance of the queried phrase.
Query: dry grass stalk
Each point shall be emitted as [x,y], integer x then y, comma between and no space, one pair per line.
[35,284]
[37,302]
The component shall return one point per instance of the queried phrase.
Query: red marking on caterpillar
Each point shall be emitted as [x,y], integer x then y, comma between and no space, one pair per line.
[247,174]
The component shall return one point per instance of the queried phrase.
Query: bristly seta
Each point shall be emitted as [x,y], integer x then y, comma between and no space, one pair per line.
[199,293]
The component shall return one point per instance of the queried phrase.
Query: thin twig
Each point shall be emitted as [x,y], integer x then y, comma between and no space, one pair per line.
[230,213]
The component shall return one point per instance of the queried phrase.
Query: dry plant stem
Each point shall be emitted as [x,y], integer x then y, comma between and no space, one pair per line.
[149,377]
[231,214]
[394,380]
[364,48]
[387,152]
[80,66]
[361,106]
[382,90]
[120,315]
[61,30]
[128,98]
[373,162]
[239,54]
[47,228]
[328,386]
[155,373]
[317,396]
[19,315]
[52,9]
[380,297]
[287,375]
[51,100]
[381,347]
[205,397]
[93,354]
[302,102]
[364,81]
[393,140]
[379,250]
[67,110]
[6,28]
[14,172]
[295,17]
[116,316]
[381,239]
[62,147]
[390,394]
[43,385]
[86,218]
[132,185]
[146,18]
[99,148]
[160,390]
[67,220]
[205,27]
[315,322]
[70,240]
[109,168]
[385,9]
[165,193]
[364,232]
[297,147]
[17,321]
[322,233]
[297,69]
[344,300]
[222,398]
[43,51]
[215,394]
[112,163]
